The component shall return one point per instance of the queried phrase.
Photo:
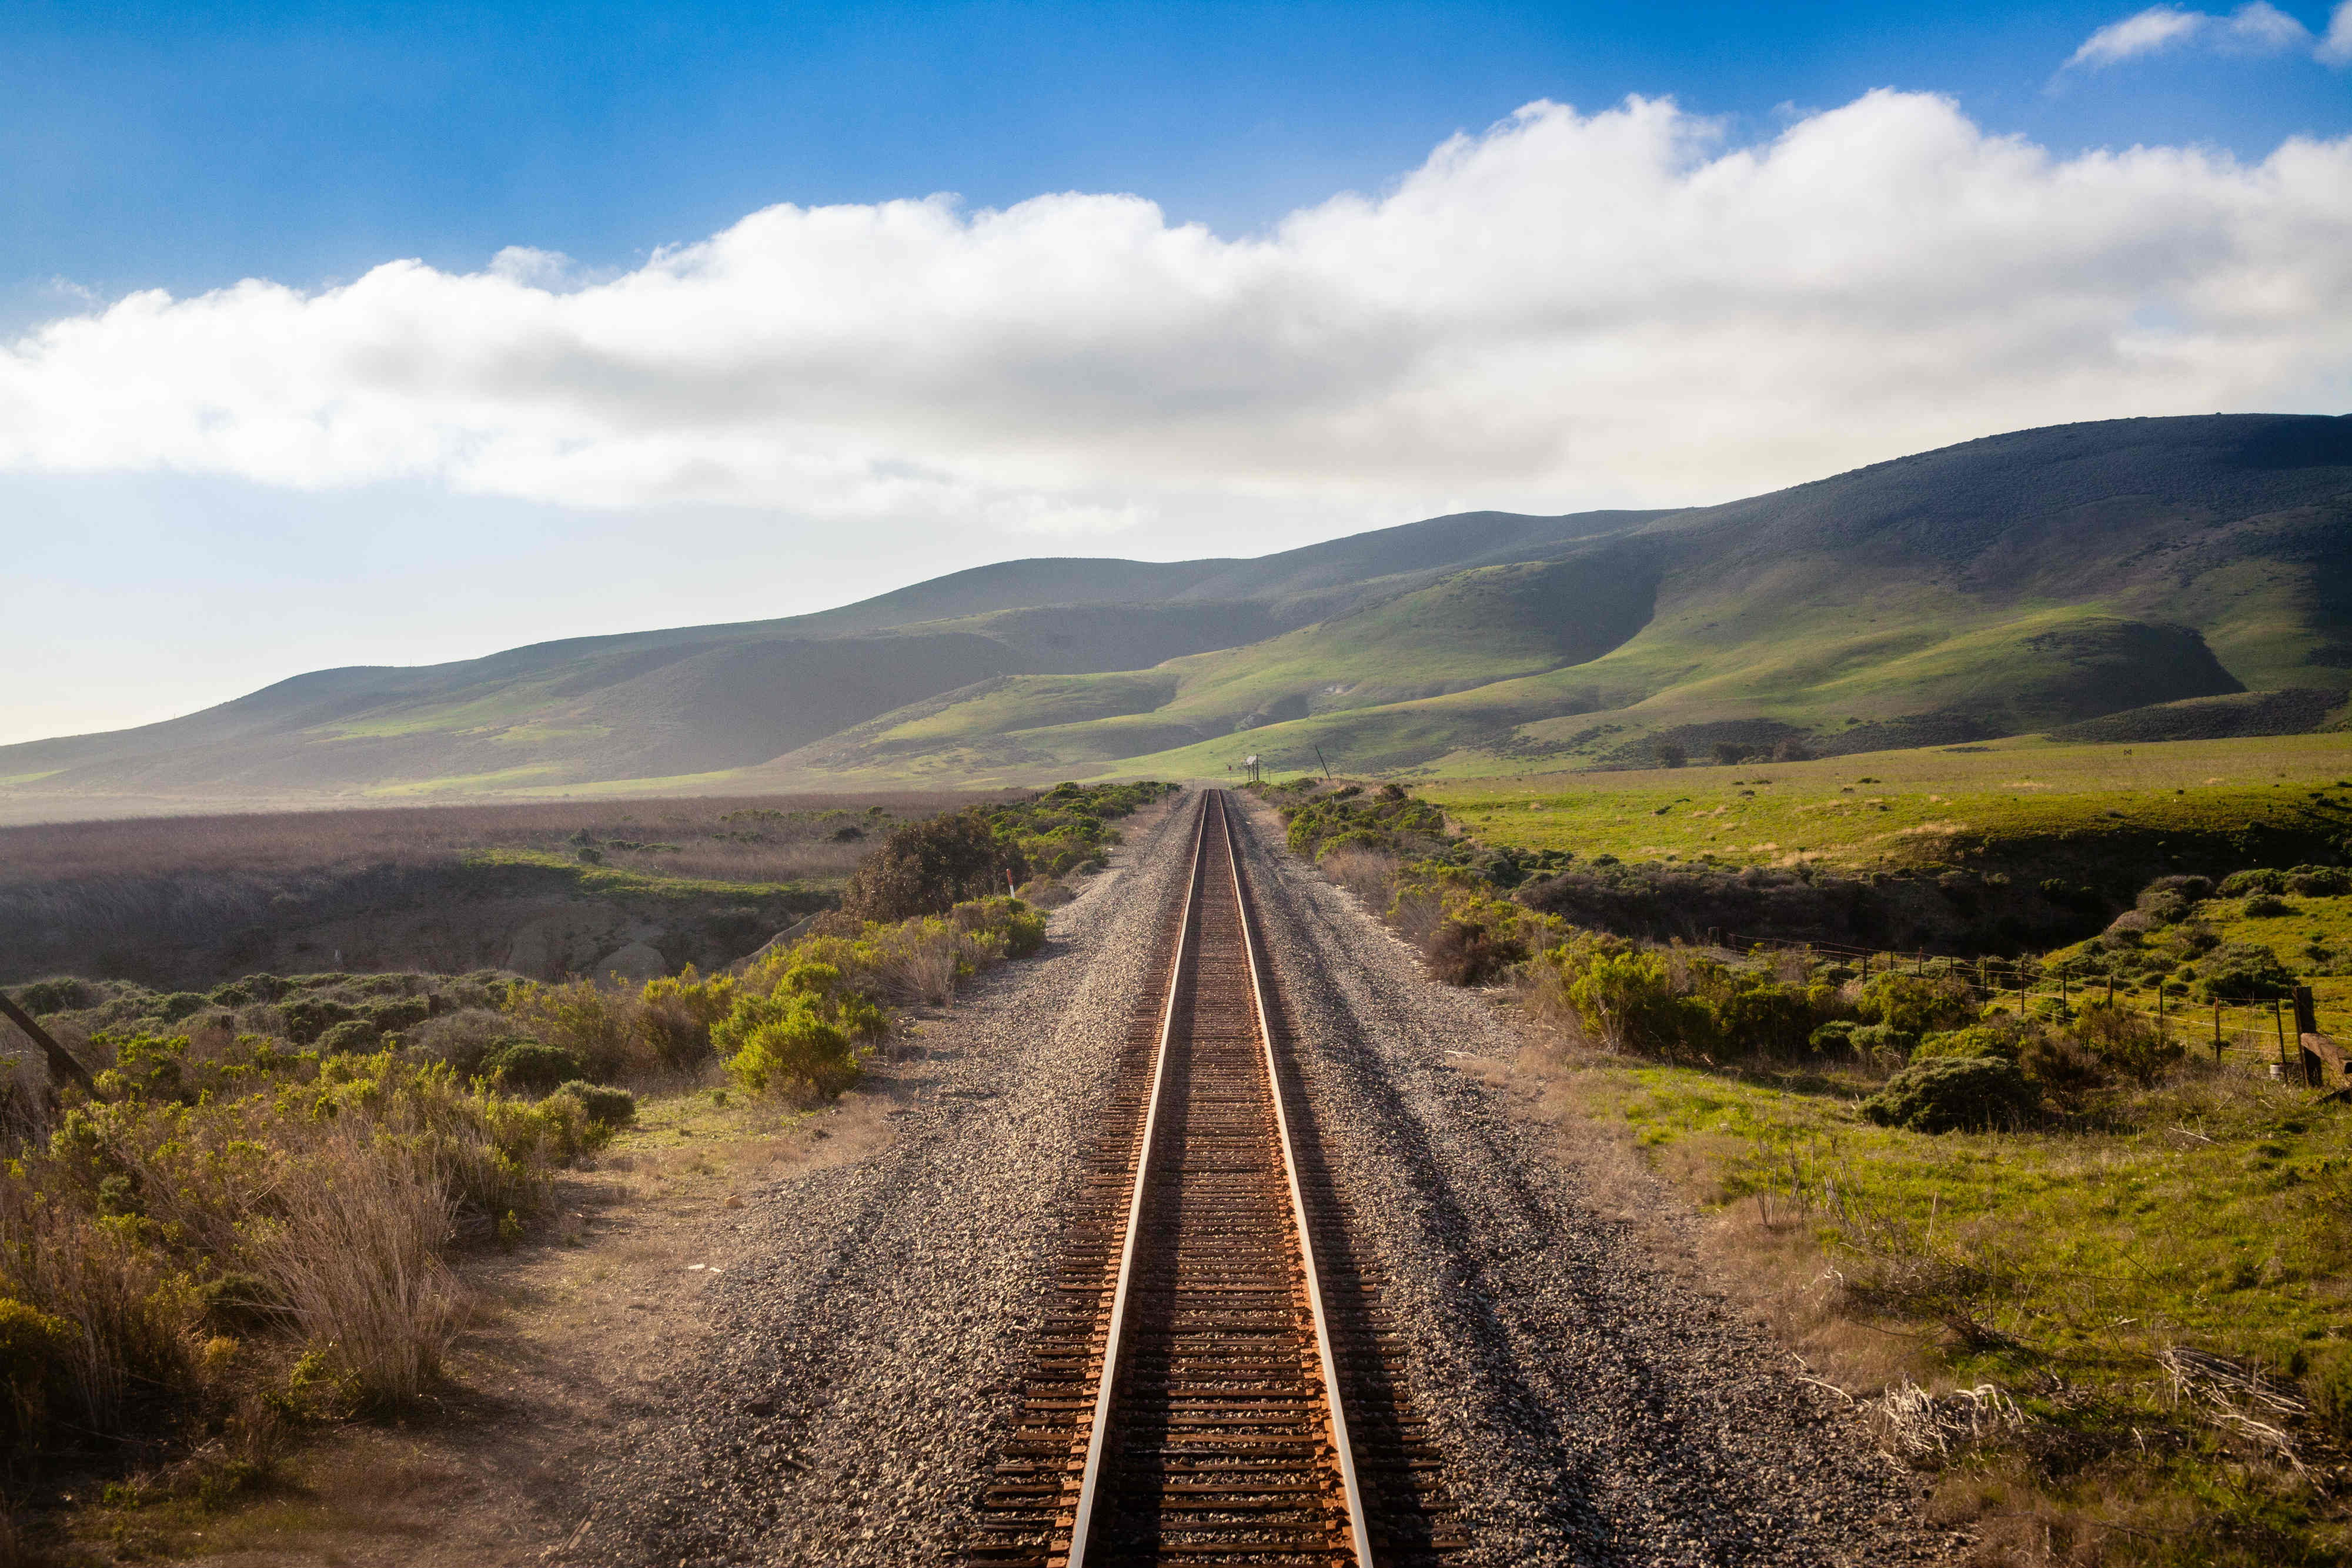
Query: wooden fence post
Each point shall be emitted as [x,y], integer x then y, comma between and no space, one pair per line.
[2278,1017]
[61,1065]
[2217,1032]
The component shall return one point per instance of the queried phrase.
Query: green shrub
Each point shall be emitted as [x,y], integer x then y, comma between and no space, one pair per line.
[789,1043]
[680,1010]
[600,1026]
[1835,1035]
[1977,1041]
[1914,1005]
[613,1107]
[2237,971]
[927,868]
[33,1347]
[2237,885]
[1019,928]
[1953,1093]
[2126,1041]
[61,994]
[1628,999]
[397,1013]
[1883,1041]
[532,1065]
[305,1019]
[352,1034]
[179,1004]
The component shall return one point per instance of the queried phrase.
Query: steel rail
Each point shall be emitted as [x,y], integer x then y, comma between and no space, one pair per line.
[1107,1385]
[1359,1529]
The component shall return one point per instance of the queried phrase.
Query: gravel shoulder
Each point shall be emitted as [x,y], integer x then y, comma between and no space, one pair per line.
[866,1348]
[1593,1401]
[1593,1404]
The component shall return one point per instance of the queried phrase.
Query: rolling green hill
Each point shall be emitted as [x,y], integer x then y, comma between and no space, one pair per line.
[2152,577]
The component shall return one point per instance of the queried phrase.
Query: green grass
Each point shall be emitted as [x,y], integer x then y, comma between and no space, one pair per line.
[1906,808]
[2221,1226]
[2057,1267]
[617,882]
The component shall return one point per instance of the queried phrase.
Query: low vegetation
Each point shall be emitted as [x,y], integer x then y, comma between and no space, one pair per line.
[181,901]
[249,1226]
[2064,1220]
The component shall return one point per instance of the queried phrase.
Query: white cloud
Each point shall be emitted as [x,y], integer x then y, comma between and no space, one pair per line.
[2158,27]
[2336,49]
[2257,28]
[1567,309]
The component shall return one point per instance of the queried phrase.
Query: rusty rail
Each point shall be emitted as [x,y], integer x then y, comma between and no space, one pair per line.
[1199,1387]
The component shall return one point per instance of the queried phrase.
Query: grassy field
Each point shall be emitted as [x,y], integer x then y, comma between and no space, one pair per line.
[2068,1272]
[1909,808]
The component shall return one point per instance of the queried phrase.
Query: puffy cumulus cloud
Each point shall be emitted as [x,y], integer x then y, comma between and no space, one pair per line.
[2257,28]
[1566,310]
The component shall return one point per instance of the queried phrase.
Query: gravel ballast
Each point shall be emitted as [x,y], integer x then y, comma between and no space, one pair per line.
[1591,1406]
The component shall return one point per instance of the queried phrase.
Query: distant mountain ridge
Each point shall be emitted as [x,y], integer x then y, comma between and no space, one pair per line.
[2023,581]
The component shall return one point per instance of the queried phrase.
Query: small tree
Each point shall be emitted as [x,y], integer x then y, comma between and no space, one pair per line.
[1670,754]
[928,868]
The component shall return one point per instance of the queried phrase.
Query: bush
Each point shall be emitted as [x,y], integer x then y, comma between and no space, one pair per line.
[356,1257]
[34,1346]
[2239,971]
[2319,881]
[1627,999]
[2267,906]
[61,994]
[1883,1042]
[613,1107]
[1948,1093]
[398,1012]
[2237,885]
[680,1011]
[352,1034]
[462,1039]
[1914,1005]
[1978,1043]
[2126,1041]
[803,1037]
[534,1065]
[927,868]
[1835,1035]
[1017,929]
[599,1027]
[305,1019]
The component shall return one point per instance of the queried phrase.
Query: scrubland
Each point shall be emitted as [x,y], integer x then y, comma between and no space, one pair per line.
[2090,1274]
[179,900]
[254,1230]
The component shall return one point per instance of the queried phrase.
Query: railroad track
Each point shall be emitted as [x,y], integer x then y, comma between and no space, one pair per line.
[1215,1381]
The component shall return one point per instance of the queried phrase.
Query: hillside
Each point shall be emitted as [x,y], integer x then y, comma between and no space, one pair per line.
[2156,576]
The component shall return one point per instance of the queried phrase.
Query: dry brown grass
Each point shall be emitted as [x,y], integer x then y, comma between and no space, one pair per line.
[1368,873]
[356,1256]
[789,833]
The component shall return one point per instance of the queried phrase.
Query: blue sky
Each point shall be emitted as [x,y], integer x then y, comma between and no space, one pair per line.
[186,148]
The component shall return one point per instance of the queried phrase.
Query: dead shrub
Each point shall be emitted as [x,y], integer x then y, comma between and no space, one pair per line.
[1368,873]
[356,1257]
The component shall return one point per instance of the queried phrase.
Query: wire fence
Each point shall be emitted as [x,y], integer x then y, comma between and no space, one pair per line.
[2264,1032]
